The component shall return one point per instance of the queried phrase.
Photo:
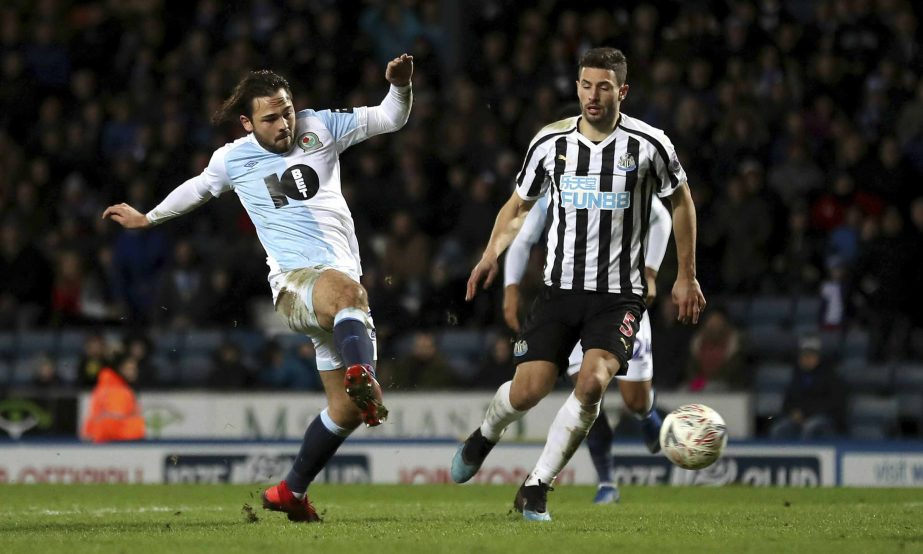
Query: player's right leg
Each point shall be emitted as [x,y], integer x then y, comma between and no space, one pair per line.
[332,306]
[532,382]
[548,336]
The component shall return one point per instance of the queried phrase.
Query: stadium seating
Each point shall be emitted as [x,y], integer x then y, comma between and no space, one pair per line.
[770,310]
[872,417]
[860,376]
[807,310]
[772,377]
[771,342]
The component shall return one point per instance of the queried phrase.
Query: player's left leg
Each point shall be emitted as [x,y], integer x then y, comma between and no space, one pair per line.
[568,429]
[322,439]
[598,441]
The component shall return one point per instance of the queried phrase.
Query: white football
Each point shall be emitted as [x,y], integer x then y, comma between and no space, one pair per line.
[693,436]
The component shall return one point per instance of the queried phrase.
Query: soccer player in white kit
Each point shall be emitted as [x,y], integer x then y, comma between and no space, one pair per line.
[635,385]
[286,172]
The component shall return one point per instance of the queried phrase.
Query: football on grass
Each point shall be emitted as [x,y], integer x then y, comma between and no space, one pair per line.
[693,436]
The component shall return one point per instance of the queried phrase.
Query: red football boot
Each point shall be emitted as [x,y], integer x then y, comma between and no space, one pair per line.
[365,392]
[279,499]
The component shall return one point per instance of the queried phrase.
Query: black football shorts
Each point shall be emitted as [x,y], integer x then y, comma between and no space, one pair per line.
[559,318]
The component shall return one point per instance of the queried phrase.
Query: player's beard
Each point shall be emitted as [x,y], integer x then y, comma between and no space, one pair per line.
[604,117]
[278,146]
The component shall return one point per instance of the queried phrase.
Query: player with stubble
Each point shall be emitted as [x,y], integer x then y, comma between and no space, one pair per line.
[286,172]
[600,170]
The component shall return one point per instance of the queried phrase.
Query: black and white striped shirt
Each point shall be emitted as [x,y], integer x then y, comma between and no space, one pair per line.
[600,201]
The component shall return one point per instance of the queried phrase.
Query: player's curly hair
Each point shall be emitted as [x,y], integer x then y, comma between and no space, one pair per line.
[256,84]
[606,58]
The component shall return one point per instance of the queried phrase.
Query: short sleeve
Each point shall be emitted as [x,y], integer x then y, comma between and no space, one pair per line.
[533,179]
[670,173]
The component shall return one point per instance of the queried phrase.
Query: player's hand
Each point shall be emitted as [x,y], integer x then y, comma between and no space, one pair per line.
[511,306]
[486,271]
[651,277]
[687,294]
[400,70]
[126,216]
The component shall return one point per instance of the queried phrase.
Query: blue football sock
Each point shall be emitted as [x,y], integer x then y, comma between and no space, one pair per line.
[321,441]
[351,337]
[599,441]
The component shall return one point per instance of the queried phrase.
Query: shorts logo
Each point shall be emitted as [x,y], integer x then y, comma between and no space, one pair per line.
[626,345]
[625,328]
[520,348]
[627,163]
[309,141]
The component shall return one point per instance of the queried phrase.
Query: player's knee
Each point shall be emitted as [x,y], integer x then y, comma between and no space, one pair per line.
[589,390]
[351,295]
[525,396]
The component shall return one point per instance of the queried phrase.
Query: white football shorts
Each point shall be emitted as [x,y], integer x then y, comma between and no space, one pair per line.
[300,316]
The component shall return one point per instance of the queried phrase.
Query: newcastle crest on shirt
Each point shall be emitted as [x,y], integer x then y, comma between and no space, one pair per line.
[627,163]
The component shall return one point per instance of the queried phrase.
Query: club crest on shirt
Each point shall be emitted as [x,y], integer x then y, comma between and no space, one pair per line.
[520,348]
[627,163]
[309,141]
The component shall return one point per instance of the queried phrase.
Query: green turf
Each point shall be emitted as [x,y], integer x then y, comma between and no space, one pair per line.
[366,519]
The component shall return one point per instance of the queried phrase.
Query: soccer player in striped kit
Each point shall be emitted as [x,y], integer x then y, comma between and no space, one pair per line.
[635,384]
[600,169]
[286,172]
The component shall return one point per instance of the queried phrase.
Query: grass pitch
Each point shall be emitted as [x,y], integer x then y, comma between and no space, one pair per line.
[471,519]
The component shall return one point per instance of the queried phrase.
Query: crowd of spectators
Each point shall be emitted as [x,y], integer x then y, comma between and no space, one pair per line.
[800,125]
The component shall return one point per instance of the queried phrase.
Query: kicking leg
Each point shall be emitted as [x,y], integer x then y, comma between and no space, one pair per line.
[341,306]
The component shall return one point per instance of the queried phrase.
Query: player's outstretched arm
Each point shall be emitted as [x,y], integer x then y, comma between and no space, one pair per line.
[126,216]
[687,293]
[394,110]
[506,227]
[183,199]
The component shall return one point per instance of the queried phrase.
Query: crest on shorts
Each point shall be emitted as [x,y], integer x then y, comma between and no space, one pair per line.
[520,348]
[309,141]
[627,163]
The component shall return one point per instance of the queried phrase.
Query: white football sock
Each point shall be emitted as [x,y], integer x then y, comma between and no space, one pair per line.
[500,414]
[567,431]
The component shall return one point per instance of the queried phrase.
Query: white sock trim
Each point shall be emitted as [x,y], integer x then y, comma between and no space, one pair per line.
[332,425]
[351,313]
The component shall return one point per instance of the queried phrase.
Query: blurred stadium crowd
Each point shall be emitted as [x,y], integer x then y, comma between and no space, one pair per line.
[800,124]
